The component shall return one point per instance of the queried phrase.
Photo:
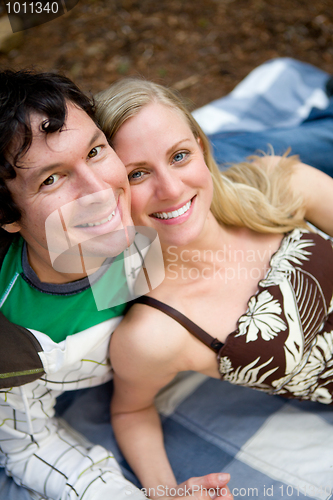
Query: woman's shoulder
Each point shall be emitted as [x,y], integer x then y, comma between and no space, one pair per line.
[150,334]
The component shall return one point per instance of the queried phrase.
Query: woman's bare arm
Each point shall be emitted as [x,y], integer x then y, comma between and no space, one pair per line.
[316,189]
[142,364]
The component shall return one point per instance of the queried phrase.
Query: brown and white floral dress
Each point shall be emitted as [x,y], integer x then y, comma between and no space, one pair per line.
[284,342]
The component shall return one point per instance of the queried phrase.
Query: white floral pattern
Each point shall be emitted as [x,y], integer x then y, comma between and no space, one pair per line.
[262,316]
[292,251]
[305,381]
[249,374]
[225,365]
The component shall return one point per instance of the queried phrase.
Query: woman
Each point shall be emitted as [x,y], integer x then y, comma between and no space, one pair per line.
[239,261]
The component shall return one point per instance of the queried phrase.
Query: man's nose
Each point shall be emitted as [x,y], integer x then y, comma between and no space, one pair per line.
[92,189]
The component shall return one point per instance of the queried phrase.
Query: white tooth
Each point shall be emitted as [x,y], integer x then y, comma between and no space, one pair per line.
[174,213]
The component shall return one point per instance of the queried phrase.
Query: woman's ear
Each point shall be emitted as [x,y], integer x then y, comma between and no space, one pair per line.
[14,227]
[199,141]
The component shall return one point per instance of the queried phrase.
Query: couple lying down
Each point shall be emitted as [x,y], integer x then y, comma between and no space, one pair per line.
[243,271]
[248,288]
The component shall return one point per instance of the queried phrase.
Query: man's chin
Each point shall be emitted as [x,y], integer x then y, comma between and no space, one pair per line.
[89,255]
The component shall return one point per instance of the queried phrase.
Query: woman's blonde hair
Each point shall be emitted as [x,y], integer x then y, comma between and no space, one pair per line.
[248,194]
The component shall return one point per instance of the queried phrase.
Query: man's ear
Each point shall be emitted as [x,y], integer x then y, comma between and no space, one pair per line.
[14,227]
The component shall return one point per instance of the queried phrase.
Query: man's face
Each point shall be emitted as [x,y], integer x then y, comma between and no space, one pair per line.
[74,196]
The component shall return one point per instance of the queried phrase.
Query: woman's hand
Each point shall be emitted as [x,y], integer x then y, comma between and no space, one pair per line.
[211,486]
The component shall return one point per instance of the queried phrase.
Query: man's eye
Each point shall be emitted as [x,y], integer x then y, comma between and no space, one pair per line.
[94,152]
[51,180]
[179,156]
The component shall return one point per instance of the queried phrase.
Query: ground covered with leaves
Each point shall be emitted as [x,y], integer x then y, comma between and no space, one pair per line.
[201,47]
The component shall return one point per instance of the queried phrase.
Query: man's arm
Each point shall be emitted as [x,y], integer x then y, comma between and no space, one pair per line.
[46,457]
[36,449]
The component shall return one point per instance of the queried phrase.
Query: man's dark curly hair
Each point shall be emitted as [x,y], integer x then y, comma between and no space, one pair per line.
[22,93]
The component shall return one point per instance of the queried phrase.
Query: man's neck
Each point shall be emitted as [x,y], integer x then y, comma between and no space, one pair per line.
[58,272]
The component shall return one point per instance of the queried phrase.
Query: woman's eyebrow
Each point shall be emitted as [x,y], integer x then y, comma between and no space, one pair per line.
[136,164]
[177,144]
[168,152]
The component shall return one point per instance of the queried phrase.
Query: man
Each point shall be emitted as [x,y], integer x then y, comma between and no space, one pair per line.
[65,211]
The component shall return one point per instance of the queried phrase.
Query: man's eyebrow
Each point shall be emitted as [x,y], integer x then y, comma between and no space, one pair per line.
[168,152]
[41,172]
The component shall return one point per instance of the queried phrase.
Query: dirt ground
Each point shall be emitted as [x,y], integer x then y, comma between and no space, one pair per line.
[201,47]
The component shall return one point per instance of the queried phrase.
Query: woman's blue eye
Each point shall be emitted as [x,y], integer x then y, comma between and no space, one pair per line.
[179,157]
[135,175]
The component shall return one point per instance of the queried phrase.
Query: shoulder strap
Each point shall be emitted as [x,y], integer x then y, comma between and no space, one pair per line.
[198,332]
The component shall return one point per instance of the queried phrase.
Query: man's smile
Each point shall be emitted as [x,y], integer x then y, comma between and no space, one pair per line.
[103,221]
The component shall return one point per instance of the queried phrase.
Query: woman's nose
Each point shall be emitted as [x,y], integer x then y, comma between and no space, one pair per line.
[168,186]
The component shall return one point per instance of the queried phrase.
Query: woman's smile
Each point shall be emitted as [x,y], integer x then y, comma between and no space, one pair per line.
[175,215]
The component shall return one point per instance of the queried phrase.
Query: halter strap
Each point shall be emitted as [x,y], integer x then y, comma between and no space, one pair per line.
[194,329]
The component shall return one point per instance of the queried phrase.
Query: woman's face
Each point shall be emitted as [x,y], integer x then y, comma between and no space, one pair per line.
[171,186]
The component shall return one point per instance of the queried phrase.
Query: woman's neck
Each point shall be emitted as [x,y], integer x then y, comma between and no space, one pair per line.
[212,245]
